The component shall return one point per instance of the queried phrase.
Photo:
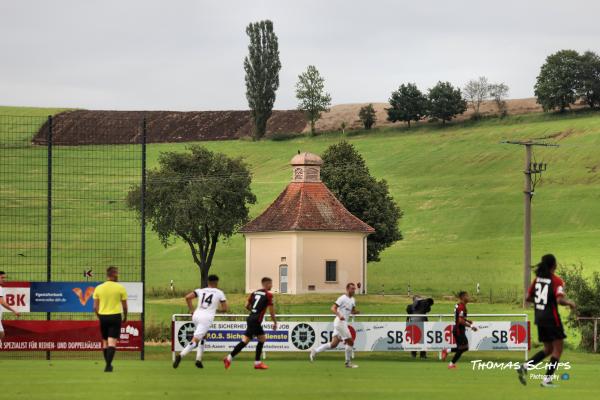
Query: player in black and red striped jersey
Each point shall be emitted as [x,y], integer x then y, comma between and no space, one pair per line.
[546,292]
[459,330]
[258,302]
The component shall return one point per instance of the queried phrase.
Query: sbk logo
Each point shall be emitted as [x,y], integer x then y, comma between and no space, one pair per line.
[448,335]
[16,300]
[413,334]
[518,333]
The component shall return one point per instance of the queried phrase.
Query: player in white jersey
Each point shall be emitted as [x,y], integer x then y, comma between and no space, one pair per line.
[343,308]
[3,303]
[210,300]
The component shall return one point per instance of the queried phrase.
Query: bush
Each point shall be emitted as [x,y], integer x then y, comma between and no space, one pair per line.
[367,116]
[585,292]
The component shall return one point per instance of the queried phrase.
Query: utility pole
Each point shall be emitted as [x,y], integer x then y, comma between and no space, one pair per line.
[532,173]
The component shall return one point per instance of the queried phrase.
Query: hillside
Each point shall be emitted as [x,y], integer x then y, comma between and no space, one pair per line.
[461,192]
[120,127]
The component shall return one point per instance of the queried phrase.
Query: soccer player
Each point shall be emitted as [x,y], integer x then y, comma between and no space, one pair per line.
[3,303]
[459,330]
[110,300]
[343,307]
[547,291]
[257,304]
[209,300]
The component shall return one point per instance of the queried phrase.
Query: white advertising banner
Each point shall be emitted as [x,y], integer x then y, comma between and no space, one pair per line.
[135,296]
[369,336]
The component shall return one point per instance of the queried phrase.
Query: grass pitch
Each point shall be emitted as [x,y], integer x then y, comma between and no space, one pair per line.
[379,376]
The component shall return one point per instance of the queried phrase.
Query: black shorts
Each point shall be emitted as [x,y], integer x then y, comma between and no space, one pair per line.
[550,333]
[460,337]
[110,326]
[254,327]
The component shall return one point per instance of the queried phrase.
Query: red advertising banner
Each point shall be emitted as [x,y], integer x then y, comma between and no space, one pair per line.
[66,336]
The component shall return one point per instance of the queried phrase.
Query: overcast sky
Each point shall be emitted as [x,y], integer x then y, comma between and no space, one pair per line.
[187,55]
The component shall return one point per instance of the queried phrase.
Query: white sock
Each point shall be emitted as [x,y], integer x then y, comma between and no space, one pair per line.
[188,348]
[348,353]
[322,348]
[229,357]
[200,351]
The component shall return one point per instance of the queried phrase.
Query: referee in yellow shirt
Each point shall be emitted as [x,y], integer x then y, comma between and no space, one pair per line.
[110,299]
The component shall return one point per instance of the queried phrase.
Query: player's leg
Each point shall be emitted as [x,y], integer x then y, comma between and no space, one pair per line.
[557,348]
[462,345]
[201,328]
[113,333]
[348,353]
[200,354]
[236,350]
[258,364]
[335,341]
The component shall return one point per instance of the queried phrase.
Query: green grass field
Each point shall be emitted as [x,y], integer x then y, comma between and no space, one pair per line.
[460,189]
[379,376]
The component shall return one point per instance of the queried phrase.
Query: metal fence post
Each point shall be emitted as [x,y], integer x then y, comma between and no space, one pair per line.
[596,335]
[49,214]
[143,238]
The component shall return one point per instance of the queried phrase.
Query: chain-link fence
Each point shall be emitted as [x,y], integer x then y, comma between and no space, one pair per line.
[65,218]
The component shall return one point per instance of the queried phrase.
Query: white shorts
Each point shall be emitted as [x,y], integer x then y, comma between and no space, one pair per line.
[341,330]
[202,324]
[1,327]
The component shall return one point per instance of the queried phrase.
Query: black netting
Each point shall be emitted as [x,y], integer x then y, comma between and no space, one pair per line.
[61,175]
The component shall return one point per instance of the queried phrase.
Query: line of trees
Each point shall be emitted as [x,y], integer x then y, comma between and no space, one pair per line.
[442,102]
[567,77]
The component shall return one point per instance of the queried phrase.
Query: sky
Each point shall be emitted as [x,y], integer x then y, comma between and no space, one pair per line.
[188,55]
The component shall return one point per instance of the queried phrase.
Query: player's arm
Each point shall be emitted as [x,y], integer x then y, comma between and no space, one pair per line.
[355,311]
[96,305]
[4,304]
[335,310]
[224,306]
[188,299]
[272,312]
[564,301]
[529,298]
[561,298]
[124,303]
[248,305]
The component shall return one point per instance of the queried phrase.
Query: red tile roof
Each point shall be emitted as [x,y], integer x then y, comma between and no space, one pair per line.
[306,206]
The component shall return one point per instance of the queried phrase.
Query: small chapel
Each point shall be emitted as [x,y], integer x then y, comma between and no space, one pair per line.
[306,240]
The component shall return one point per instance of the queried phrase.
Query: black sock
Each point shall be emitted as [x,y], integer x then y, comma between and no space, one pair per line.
[259,347]
[537,357]
[552,367]
[104,354]
[457,355]
[238,347]
[110,354]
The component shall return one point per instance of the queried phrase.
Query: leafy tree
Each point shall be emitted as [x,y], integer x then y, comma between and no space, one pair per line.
[198,196]
[589,78]
[585,291]
[476,91]
[445,102]
[346,175]
[310,91]
[407,104]
[557,84]
[367,116]
[499,92]
[262,67]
